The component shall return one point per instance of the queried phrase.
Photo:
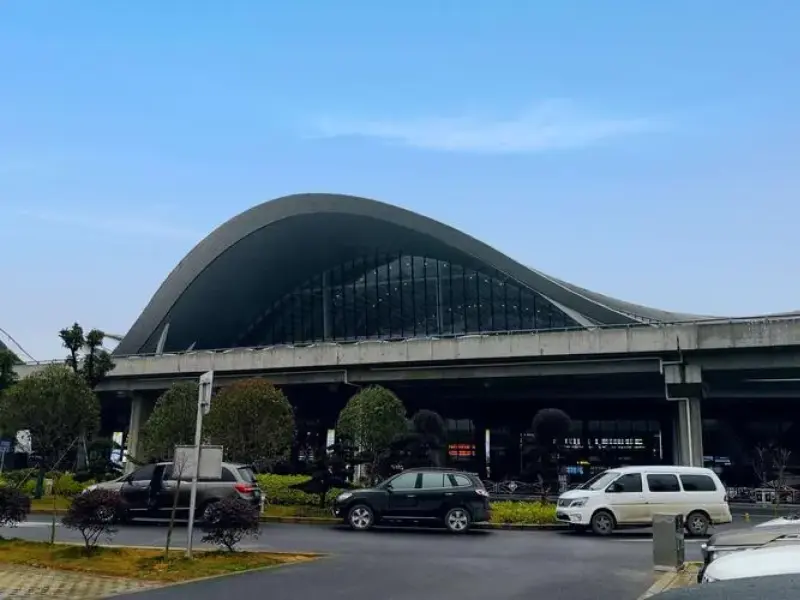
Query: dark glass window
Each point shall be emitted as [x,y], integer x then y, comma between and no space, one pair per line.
[663,483]
[628,484]
[404,481]
[460,481]
[698,483]
[433,480]
[399,296]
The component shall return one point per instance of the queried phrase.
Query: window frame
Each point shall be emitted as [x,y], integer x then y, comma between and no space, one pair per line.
[673,475]
[631,475]
[699,476]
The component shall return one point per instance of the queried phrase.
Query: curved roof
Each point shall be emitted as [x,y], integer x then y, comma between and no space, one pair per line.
[220,287]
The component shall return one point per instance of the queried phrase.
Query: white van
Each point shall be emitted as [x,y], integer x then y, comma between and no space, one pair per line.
[630,496]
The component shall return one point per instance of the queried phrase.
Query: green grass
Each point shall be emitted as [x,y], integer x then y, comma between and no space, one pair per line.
[137,563]
[45,504]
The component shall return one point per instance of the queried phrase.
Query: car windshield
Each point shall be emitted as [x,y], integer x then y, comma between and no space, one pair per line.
[600,481]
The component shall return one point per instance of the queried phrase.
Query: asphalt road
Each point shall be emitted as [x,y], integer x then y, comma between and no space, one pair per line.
[399,564]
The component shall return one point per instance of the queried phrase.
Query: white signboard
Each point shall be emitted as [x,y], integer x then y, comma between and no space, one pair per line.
[210,462]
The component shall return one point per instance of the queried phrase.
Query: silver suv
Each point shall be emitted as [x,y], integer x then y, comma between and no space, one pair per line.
[149,492]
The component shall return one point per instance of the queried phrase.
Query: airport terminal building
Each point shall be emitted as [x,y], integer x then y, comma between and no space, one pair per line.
[324,293]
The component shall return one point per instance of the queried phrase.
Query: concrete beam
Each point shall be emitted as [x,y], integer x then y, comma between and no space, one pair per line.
[735,335]
[366,376]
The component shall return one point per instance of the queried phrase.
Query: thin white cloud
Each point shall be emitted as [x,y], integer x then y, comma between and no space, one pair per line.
[116,225]
[551,125]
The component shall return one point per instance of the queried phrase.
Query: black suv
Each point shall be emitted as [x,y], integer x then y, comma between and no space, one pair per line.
[450,497]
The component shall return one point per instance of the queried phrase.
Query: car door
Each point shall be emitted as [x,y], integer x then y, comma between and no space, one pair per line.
[166,496]
[403,499]
[627,500]
[435,491]
[663,494]
[135,492]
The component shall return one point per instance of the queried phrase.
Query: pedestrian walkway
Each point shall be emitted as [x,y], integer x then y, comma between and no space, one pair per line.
[38,584]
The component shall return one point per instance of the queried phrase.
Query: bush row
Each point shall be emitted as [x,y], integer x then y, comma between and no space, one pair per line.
[277,490]
[64,484]
[518,512]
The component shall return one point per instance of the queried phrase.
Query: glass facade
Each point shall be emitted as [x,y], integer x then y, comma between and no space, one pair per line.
[397,296]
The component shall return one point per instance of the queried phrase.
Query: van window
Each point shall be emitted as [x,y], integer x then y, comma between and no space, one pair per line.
[628,484]
[698,483]
[663,483]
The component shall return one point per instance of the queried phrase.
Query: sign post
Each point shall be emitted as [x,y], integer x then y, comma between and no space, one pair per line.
[5,447]
[203,406]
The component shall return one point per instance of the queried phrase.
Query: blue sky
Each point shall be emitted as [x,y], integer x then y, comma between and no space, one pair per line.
[644,150]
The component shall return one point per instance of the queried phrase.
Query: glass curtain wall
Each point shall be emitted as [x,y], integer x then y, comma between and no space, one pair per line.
[397,296]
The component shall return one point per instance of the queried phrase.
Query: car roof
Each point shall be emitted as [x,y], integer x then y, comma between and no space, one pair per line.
[664,469]
[759,562]
[226,464]
[437,470]
[774,587]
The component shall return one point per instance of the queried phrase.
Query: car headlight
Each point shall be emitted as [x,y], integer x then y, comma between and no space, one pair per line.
[89,489]
[343,496]
[707,579]
[578,502]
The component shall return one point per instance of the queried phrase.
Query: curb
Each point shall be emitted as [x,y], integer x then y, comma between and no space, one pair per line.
[662,583]
[490,526]
[332,521]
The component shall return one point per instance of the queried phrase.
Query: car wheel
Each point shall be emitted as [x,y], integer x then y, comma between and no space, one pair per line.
[697,524]
[361,517]
[457,520]
[603,523]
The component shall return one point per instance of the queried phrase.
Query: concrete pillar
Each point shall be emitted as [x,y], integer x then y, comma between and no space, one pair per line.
[684,387]
[689,433]
[140,411]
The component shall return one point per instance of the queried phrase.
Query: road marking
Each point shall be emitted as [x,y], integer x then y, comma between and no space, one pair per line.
[36,524]
[650,541]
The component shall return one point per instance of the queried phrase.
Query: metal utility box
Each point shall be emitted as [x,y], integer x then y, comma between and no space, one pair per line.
[668,542]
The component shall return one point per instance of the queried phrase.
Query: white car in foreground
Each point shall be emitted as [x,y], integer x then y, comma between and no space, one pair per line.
[761,562]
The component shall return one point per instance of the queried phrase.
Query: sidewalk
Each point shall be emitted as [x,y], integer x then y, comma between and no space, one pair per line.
[29,583]
[686,577]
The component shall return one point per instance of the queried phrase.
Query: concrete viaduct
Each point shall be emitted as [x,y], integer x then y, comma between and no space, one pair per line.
[682,353]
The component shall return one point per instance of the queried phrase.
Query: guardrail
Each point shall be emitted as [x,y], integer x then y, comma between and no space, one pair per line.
[311,344]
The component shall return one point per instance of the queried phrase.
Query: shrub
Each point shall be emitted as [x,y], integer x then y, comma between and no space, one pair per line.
[94,513]
[65,484]
[228,521]
[277,490]
[14,506]
[527,513]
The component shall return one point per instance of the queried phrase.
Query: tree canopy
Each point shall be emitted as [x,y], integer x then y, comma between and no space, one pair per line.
[87,357]
[372,420]
[253,421]
[7,362]
[171,423]
[56,406]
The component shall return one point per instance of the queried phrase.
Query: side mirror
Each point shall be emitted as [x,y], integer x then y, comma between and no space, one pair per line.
[614,488]
[389,488]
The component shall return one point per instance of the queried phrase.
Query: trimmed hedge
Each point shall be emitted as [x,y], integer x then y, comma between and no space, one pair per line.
[276,490]
[523,513]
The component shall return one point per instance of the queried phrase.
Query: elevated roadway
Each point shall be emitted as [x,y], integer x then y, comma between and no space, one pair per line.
[719,345]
